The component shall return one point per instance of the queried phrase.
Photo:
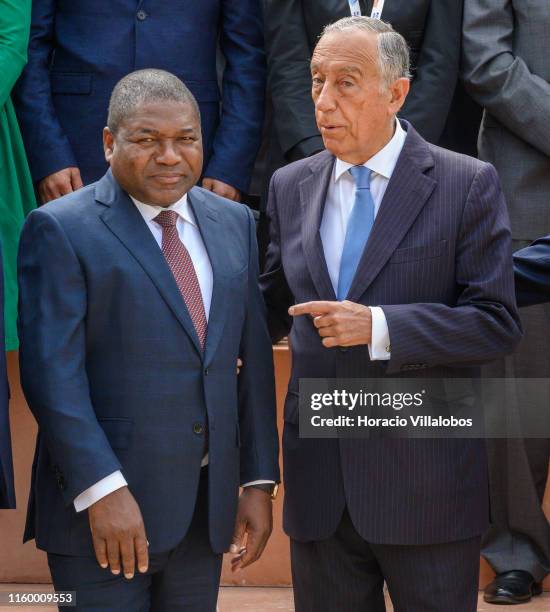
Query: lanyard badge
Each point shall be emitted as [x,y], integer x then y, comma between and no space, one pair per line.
[377,8]
[354,8]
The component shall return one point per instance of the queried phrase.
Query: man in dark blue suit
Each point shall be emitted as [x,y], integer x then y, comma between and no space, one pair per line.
[79,49]
[394,258]
[138,294]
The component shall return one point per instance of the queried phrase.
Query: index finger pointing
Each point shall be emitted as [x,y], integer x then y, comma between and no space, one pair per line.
[313,308]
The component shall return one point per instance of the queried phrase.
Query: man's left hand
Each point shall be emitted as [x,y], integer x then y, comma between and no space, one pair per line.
[255,519]
[338,323]
[222,189]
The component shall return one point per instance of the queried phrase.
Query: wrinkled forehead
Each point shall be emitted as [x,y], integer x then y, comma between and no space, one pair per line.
[348,52]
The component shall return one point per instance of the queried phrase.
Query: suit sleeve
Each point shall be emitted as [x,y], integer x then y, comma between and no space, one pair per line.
[436,75]
[52,312]
[499,80]
[532,273]
[289,78]
[484,322]
[14,36]
[277,294]
[47,146]
[257,409]
[239,133]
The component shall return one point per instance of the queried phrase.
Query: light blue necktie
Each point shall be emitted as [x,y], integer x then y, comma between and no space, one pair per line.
[359,227]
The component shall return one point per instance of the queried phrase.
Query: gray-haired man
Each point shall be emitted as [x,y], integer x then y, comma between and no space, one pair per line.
[398,254]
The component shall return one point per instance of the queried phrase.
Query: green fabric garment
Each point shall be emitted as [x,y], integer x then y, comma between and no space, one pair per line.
[17,196]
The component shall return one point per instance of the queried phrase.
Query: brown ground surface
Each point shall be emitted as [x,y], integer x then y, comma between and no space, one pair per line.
[264,599]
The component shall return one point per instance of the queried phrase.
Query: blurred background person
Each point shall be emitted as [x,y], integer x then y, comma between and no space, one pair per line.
[16,199]
[437,105]
[506,69]
[78,51]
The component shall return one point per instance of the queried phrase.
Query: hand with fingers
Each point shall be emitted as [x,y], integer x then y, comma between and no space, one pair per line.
[118,533]
[252,528]
[338,323]
[59,184]
[222,189]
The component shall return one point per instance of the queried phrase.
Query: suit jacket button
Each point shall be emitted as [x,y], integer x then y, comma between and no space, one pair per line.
[206,371]
[197,428]
[141,15]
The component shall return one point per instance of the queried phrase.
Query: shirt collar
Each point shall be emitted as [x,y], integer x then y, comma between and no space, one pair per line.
[149,212]
[383,163]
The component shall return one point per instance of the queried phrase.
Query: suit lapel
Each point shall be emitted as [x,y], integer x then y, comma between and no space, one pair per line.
[313,193]
[408,190]
[126,223]
[213,237]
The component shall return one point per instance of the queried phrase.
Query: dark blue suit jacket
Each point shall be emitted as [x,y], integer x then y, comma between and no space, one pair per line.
[7,492]
[111,367]
[438,261]
[79,49]
[532,273]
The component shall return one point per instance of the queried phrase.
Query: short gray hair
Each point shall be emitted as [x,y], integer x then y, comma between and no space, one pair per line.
[393,51]
[144,86]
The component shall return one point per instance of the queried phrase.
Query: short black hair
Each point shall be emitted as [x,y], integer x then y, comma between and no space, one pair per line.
[144,86]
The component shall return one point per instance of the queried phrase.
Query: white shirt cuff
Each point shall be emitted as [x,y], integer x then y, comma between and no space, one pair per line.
[379,348]
[254,482]
[100,490]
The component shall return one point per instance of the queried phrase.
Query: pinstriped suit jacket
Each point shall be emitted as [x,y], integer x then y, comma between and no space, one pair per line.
[439,263]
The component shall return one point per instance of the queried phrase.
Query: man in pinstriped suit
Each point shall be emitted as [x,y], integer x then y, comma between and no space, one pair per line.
[394,257]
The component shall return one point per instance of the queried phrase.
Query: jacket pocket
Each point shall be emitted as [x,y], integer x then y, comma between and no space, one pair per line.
[418,253]
[75,83]
[118,431]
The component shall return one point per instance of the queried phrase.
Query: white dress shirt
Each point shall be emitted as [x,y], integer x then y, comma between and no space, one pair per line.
[190,235]
[338,207]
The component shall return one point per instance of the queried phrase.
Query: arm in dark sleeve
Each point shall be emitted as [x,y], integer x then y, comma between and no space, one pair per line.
[239,133]
[257,408]
[532,273]
[47,146]
[484,322]
[277,295]
[432,90]
[500,81]
[52,311]
[289,78]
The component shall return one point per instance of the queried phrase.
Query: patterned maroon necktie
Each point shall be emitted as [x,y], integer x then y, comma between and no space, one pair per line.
[179,260]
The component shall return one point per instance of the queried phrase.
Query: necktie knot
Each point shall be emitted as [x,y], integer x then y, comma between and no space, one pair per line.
[361,176]
[167,218]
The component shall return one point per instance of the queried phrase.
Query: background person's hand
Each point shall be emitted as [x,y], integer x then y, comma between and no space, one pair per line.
[222,189]
[255,521]
[118,533]
[239,365]
[59,183]
[338,323]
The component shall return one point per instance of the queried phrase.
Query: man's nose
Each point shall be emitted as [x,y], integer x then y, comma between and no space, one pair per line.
[325,100]
[168,154]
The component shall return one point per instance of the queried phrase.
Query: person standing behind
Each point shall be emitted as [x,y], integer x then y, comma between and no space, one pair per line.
[506,70]
[16,199]
[78,51]
[432,30]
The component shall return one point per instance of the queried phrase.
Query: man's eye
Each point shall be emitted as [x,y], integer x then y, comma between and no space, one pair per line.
[317,81]
[145,140]
[347,84]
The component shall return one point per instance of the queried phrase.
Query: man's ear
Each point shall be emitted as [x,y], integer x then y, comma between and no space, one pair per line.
[108,144]
[399,91]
